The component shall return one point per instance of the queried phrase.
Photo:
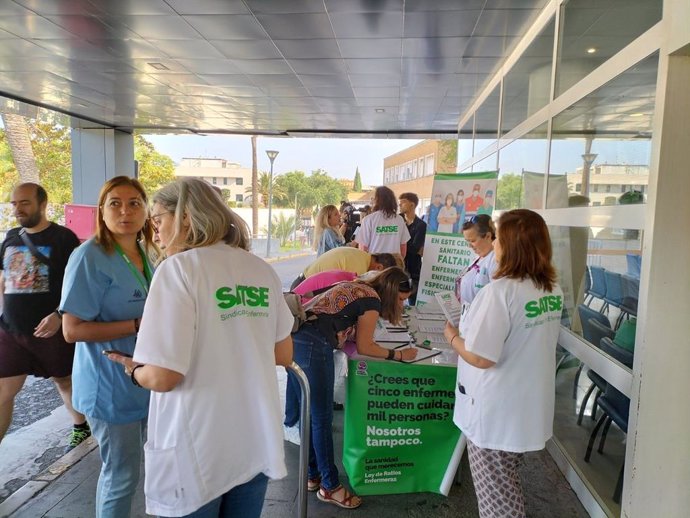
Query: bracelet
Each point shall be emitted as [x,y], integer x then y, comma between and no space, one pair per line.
[391,354]
[136,325]
[451,340]
[131,375]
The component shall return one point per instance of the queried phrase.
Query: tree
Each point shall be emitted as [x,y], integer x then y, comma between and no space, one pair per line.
[52,148]
[155,169]
[279,196]
[357,187]
[8,173]
[509,192]
[255,190]
[19,141]
[447,156]
[282,227]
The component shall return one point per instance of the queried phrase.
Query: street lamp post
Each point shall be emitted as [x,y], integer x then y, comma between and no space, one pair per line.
[271,156]
[294,235]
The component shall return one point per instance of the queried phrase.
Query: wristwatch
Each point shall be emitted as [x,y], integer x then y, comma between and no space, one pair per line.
[59,313]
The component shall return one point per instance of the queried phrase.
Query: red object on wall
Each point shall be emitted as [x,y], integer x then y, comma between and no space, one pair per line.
[81,219]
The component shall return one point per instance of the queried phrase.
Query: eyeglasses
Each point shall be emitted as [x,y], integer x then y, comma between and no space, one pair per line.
[155,218]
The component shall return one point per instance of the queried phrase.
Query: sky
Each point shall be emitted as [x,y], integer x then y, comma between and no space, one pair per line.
[339,157]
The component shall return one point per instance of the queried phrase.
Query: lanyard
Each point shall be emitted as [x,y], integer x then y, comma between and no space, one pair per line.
[137,274]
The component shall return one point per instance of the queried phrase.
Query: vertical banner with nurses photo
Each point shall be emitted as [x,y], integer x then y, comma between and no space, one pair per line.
[455,198]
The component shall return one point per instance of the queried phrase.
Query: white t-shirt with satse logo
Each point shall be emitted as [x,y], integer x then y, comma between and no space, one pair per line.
[214,315]
[510,406]
[381,234]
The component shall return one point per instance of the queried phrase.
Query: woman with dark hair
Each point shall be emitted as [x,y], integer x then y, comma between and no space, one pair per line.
[345,307]
[480,233]
[384,230]
[214,328]
[103,294]
[504,400]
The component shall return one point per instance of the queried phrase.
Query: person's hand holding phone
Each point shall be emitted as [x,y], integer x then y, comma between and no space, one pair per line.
[123,358]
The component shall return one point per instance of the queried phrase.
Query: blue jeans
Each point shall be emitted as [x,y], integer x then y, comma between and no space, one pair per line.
[243,501]
[120,448]
[314,354]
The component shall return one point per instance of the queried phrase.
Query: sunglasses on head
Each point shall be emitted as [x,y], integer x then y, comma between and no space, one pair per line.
[405,285]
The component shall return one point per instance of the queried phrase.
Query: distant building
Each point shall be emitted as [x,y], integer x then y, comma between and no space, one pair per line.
[608,181]
[226,175]
[413,168]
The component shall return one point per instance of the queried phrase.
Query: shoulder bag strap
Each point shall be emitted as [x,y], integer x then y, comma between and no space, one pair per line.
[32,248]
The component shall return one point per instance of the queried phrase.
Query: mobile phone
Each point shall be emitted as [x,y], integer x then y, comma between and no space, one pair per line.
[114,351]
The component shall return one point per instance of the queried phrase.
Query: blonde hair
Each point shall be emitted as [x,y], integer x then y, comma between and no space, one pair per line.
[208,219]
[321,224]
[104,237]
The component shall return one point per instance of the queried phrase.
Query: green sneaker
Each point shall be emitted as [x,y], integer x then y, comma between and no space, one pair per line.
[79,435]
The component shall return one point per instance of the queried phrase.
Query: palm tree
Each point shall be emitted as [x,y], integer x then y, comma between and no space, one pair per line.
[17,134]
[263,189]
[254,190]
[282,227]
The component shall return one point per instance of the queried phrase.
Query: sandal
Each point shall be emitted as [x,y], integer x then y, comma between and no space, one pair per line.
[340,497]
[313,484]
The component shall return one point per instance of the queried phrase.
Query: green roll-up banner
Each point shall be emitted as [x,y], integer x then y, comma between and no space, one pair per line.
[399,431]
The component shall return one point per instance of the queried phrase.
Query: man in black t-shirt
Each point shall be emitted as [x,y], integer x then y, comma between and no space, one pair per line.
[31,340]
[408,202]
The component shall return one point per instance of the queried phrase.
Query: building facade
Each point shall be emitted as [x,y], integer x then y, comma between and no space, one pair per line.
[413,169]
[228,176]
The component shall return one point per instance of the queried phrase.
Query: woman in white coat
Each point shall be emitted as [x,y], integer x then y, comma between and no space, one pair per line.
[504,399]
[215,326]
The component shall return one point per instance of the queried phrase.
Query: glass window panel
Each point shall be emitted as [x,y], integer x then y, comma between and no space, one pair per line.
[465,142]
[598,269]
[521,167]
[486,121]
[593,31]
[527,86]
[488,164]
[601,145]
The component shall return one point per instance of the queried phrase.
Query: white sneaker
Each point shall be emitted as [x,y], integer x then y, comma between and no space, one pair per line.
[291,434]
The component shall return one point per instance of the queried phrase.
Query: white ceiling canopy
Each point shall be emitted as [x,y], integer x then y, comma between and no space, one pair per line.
[275,67]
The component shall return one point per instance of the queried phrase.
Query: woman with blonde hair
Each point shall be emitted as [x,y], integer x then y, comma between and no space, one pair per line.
[213,331]
[327,233]
[105,287]
[504,400]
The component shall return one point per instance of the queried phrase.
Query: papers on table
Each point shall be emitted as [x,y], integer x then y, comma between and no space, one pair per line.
[422,355]
[433,326]
[394,334]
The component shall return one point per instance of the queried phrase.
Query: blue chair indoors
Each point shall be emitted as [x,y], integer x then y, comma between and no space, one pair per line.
[634,263]
[630,287]
[588,287]
[594,330]
[615,408]
[598,287]
[614,290]
[586,313]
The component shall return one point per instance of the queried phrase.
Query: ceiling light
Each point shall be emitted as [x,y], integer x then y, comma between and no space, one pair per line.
[380,110]
[158,66]
[591,50]
[637,114]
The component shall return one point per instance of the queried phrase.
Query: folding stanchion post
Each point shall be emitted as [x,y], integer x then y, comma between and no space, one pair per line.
[305,431]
